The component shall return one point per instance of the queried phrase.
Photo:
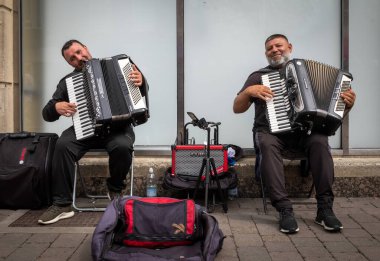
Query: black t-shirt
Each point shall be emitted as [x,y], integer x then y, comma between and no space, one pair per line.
[260,123]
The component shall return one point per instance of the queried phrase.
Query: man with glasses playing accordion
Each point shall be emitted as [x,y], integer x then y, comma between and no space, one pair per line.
[275,134]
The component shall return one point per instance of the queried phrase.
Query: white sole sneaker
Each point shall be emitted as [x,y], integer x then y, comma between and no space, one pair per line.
[290,231]
[322,223]
[57,218]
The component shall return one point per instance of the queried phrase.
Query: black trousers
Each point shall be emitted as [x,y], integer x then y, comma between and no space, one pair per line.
[271,166]
[68,150]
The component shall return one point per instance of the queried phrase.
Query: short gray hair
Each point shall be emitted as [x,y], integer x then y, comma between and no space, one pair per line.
[276,36]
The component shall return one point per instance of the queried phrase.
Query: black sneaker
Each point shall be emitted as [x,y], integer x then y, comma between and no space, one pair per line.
[327,219]
[288,223]
[54,214]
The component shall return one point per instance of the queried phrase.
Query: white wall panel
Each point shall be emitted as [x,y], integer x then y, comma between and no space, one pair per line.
[224,43]
[142,29]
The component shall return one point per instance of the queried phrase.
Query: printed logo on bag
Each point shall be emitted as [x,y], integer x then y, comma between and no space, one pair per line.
[179,228]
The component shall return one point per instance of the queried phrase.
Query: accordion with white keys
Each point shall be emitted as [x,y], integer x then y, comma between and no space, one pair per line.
[306,97]
[104,95]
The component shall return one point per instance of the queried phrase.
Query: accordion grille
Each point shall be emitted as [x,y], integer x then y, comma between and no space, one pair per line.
[323,78]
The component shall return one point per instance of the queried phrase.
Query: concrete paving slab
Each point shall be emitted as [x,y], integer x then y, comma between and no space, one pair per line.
[250,235]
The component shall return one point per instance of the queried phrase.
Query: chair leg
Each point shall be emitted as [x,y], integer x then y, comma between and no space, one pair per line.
[311,190]
[263,195]
[88,195]
[74,204]
[131,172]
[305,168]
[75,187]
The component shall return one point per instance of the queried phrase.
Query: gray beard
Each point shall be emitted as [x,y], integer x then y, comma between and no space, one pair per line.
[278,63]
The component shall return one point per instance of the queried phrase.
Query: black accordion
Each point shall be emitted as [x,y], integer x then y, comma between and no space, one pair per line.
[104,95]
[306,97]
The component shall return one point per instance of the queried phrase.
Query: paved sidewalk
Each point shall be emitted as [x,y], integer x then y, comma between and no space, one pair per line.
[250,234]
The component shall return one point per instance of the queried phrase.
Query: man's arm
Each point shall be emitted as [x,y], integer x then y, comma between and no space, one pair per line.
[58,105]
[243,101]
[49,113]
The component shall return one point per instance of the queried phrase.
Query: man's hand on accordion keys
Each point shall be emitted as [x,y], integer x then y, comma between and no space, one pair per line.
[65,108]
[260,91]
[243,101]
[136,76]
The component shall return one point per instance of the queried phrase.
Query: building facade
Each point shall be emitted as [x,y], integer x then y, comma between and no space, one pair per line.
[9,67]
[196,56]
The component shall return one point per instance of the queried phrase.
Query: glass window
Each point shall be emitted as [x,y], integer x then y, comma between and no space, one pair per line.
[143,29]
[365,66]
[224,43]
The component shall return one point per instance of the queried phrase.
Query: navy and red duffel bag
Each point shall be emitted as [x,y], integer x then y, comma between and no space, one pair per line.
[159,228]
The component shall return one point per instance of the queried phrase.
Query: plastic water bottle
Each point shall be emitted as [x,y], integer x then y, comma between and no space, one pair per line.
[151,185]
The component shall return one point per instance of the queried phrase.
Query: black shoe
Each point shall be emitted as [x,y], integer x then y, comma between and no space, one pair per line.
[288,223]
[327,219]
[54,214]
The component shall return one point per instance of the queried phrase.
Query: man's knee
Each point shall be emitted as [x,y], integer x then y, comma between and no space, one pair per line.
[267,144]
[122,149]
[125,149]
[121,144]
[61,146]
[318,140]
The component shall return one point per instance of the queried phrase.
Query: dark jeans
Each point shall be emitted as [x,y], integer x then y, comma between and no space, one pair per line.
[271,166]
[68,150]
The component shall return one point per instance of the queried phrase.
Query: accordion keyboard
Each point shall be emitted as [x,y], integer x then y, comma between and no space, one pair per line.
[83,125]
[278,106]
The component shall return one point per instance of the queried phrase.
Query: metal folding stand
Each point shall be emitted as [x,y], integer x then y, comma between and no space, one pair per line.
[208,163]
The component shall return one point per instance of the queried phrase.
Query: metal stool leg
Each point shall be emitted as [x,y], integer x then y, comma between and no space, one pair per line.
[131,172]
[263,194]
[93,197]
[311,190]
